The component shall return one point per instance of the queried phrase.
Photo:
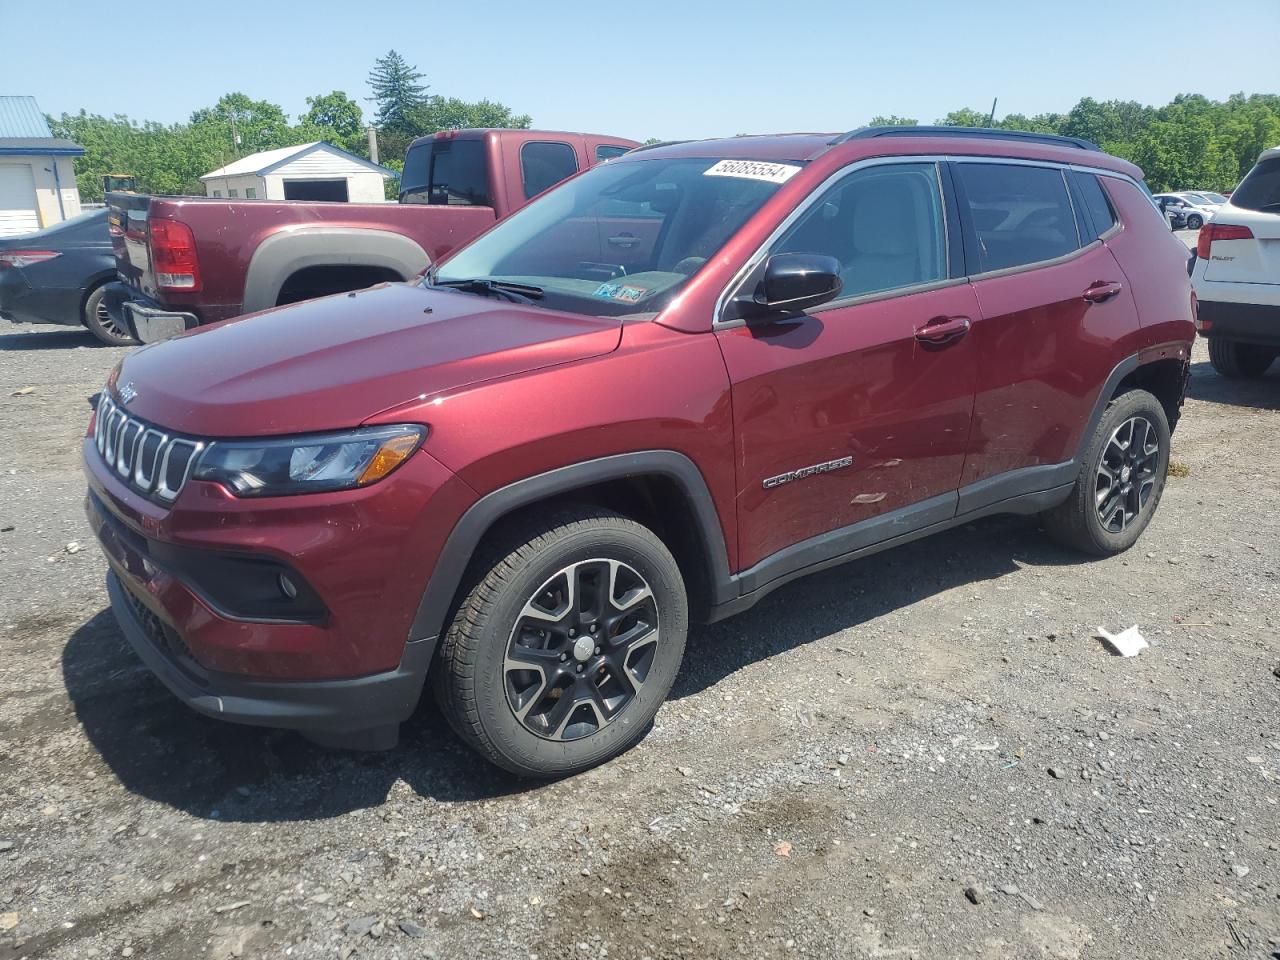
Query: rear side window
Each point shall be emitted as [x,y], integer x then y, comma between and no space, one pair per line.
[544,164]
[1019,214]
[1260,190]
[1100,216]
[607,151]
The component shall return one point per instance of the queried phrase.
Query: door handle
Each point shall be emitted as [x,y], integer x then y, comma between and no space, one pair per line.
[1102,290]
[623,240]
[943,331]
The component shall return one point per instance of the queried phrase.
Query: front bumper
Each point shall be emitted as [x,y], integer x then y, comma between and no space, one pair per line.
[360,712]
[183,589]
[1245,322]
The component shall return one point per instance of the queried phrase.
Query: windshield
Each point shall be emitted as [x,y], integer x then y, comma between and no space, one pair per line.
[1216,197]
[622,238]
[1198,198]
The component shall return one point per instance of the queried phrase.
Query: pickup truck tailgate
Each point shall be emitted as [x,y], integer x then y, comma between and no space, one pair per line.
[127,223]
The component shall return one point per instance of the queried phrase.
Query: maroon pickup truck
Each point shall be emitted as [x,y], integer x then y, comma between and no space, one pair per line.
[187,261]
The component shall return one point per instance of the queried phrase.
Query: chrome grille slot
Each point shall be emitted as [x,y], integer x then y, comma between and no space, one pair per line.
[130,431]
[151,461]
[148,458]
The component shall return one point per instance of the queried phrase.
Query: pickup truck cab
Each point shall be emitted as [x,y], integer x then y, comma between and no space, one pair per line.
[188,261]
[521,477]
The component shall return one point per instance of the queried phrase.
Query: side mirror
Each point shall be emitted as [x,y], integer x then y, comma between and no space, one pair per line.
[789,283]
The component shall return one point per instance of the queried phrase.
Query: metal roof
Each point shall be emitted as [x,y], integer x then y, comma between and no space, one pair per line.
[258,164]
[44,146]
[22,117]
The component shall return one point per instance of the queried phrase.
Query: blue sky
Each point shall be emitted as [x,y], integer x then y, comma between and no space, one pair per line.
[645,68]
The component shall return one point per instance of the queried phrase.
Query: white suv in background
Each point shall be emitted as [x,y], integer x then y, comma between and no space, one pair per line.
[1237,274]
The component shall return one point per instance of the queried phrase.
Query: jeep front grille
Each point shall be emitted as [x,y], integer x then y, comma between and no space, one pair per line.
[151,461]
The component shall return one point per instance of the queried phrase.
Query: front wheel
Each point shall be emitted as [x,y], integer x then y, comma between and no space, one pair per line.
[100,323]
[1121,479]
[1195,222]
[563,650]
[1240,361]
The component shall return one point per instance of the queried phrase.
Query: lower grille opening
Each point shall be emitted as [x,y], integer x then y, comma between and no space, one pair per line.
[165,638]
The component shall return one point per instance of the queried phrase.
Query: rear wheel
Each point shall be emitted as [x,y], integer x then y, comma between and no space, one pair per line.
[100,323]
[1121,479]
[562,652]
[1240,361]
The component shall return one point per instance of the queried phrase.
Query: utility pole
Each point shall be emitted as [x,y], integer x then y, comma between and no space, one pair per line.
[373,143]
[991,120]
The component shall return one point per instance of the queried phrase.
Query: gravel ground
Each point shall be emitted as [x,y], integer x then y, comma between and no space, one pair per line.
[925,754]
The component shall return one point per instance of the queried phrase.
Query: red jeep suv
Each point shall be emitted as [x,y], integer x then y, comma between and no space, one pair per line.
[670,385]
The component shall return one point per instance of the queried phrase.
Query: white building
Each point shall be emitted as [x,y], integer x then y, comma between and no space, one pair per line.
[309,171]
[37,176]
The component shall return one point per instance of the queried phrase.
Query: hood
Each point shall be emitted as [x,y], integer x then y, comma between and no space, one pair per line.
[333,363]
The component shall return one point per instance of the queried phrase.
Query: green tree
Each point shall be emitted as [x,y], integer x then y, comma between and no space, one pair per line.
[965,117]
[1040,123]
[334,117]
[893,120]
[248,125]
[396,89]
[446,113]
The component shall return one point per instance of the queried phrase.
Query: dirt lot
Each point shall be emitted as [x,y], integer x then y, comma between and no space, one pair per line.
[834,769]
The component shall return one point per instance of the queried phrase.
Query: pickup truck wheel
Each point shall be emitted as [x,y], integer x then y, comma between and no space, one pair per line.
[100,324]
[566,645]
[1240,361]
[1121,479]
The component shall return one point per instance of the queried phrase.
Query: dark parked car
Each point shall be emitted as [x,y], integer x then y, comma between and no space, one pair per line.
[655,394]
[57,276]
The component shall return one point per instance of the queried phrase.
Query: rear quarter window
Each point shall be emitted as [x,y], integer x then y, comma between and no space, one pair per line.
[1100,216]
[1019,214]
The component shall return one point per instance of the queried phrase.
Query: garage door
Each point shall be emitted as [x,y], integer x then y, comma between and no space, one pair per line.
[17,200]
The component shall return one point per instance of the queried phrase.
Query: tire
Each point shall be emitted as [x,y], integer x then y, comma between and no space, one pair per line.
[1088,520]
[1240,361]
[514,716]
[100,324]
[1195,222]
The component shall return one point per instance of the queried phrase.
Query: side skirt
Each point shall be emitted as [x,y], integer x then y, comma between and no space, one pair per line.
[899,527]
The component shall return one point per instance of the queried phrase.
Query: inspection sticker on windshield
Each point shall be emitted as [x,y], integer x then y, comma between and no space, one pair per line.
[622,292]
[753,170]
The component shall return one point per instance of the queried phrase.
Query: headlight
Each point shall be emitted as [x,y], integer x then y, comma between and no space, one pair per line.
[274,467]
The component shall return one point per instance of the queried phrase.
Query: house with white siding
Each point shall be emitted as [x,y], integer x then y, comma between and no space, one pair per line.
[308,171]
[37,177]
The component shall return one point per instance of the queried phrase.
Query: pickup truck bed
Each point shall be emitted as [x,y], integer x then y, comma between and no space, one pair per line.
[187,261]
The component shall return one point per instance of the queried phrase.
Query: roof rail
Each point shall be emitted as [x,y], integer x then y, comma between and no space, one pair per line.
[654,146]
[986,133]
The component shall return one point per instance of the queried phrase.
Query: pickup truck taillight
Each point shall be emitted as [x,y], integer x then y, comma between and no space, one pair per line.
[1219,231]
[173,255]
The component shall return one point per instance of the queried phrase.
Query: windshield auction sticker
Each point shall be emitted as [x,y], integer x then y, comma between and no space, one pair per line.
[753,170]
[621,291]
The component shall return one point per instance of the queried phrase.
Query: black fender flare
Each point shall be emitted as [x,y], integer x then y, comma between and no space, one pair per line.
[459,548]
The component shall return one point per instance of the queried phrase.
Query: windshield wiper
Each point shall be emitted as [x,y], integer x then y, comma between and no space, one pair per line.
[515,292]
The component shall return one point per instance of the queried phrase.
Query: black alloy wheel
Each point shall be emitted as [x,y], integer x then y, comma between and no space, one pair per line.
[581,649]
[565,641]
[1127,473]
